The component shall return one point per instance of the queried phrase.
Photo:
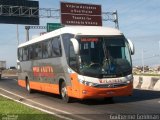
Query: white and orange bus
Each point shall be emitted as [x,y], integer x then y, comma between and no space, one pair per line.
[78,62]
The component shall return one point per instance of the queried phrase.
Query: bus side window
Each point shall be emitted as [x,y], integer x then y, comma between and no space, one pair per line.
[25,54]
[20,54]
[49,48]
[45,49]
[72,57]
[38,51]
[56,47]
[31,52]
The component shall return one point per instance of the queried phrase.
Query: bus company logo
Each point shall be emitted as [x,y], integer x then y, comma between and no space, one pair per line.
[43,71]
[111,81]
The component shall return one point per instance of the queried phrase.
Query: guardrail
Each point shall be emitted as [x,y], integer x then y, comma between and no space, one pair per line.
[147,82]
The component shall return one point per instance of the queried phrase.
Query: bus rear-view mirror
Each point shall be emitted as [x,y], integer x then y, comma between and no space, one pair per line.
[75,45]
[131,46]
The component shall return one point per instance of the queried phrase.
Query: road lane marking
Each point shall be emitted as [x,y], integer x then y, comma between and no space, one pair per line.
[10,78]
[5,77]
[15,79]
[58,110]
[46,111]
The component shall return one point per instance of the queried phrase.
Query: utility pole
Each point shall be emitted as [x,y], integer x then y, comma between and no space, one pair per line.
[143,60]
[17,34]
[116,19]
[159,45]
[111,16]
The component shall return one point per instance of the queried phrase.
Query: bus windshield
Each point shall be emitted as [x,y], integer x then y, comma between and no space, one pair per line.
[104,57]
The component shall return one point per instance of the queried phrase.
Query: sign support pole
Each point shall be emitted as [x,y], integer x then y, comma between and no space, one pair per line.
[17,35]
[27,32]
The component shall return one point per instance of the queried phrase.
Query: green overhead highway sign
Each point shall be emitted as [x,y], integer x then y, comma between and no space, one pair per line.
[53,26]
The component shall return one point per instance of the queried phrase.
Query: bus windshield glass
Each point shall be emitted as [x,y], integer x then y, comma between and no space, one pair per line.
[104,57]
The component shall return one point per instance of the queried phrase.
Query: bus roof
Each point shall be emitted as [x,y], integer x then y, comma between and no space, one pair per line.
[76,30]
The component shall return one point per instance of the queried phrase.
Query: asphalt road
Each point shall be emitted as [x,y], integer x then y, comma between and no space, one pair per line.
[142,102]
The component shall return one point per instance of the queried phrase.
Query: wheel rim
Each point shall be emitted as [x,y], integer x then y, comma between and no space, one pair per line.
[64,92]
[28,87]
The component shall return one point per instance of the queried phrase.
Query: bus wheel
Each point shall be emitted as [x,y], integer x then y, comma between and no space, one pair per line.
[28,87]
[64,93]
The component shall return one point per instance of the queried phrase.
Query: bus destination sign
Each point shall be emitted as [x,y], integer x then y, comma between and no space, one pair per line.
[81,14]
[89,39]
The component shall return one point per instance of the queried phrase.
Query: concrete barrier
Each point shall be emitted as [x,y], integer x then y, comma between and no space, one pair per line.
[146,82]
[154,81]
[157,86]
[140,82]
[135,81]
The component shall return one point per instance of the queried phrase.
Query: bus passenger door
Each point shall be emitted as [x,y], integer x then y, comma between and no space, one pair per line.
[73,75]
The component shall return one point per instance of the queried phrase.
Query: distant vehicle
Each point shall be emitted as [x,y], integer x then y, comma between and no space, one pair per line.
[2,67]
[12,68]
[78,62]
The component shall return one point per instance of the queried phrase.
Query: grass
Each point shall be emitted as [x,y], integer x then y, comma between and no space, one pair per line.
[16,111]
[147,74]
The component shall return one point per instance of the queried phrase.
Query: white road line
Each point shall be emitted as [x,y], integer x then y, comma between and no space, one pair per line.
[15,79]
[36,102]
[46,111]
[58,110]
[5,77]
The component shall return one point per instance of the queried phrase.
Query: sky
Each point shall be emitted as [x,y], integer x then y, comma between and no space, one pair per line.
[139,20]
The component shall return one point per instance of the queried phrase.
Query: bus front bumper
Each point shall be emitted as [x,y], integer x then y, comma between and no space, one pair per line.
[87,92]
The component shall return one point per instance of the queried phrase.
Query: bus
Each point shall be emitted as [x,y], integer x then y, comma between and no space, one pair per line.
[84,62]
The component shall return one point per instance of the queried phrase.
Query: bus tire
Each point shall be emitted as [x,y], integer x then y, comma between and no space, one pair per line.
[28,87]
[64,93]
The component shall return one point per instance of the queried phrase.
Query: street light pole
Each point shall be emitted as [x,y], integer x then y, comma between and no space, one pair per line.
[27,32]
[143,60]
[159,45]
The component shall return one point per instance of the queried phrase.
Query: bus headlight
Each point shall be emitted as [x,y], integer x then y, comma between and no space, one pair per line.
[87,83]
[129,79]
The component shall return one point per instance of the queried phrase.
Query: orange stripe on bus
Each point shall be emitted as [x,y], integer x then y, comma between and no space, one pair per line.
[51,88]
[81,91]
[92,92]
[22,83]
[74,90]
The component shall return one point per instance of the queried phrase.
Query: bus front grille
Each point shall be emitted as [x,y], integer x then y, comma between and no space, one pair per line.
[110,85]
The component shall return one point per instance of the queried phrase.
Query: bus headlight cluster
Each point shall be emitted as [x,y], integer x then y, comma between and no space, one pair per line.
[130,79]
[87,83]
